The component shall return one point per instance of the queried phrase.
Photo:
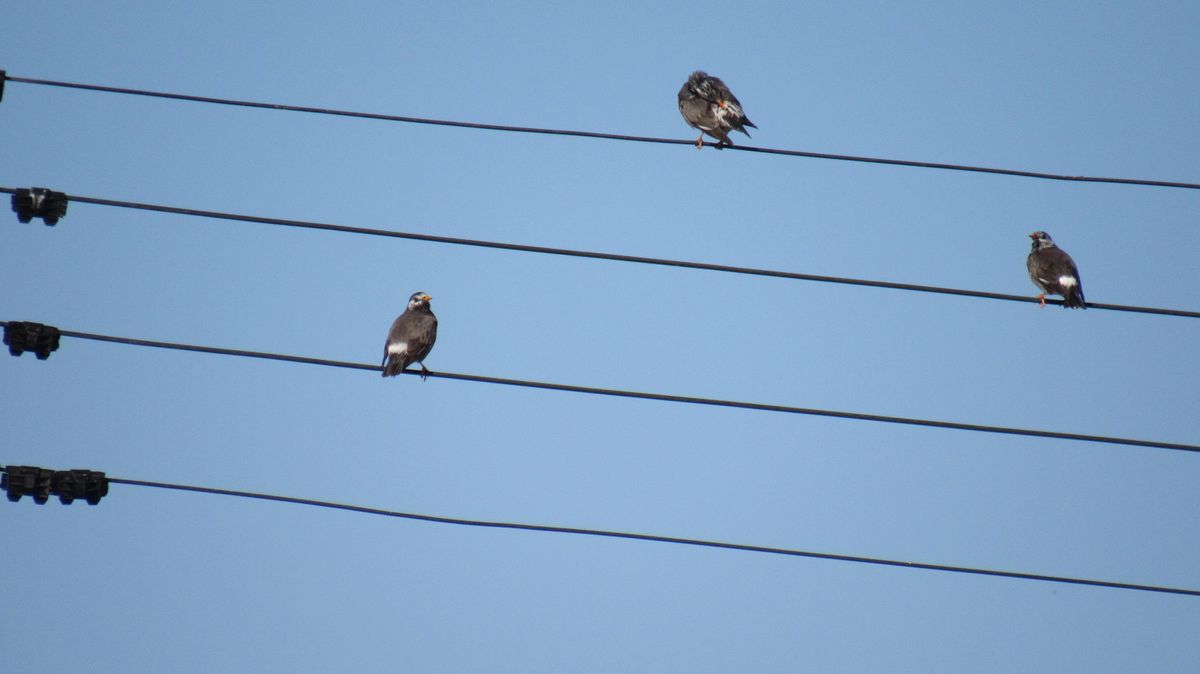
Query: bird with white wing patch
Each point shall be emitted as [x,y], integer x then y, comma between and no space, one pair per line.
[1052,270]
[411,337]
[708,105]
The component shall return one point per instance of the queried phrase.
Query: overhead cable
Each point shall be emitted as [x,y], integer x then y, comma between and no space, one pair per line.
[614,257]
[660,539]
[594,134]
[663,397]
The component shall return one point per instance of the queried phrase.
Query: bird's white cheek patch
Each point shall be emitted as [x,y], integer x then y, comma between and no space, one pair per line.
[398,347]
[1067,281]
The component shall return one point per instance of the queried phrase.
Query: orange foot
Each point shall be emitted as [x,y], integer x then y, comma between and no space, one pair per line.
[1042,300]
[700,142]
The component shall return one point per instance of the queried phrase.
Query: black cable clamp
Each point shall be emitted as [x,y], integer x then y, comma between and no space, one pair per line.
[39,202]
[41,483]
[20,480]
[3,76]
[22,336]
[90,485]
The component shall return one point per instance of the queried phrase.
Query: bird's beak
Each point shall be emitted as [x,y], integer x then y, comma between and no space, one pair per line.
[1033,235]
[426,297]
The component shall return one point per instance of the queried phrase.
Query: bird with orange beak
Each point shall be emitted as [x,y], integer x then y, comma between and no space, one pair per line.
[411,337]
[1054,272]
[707,104]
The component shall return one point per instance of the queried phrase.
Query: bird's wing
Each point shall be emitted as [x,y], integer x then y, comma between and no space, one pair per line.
[397,339]
[1060,265]
[1053,270]
[421,336]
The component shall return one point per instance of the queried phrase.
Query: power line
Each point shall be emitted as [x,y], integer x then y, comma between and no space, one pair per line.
[613,257]
[594,134]
[662,397]
[659,539]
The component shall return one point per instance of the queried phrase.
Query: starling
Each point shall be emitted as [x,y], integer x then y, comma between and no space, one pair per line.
[411,337]
[1052,270]
[707,104]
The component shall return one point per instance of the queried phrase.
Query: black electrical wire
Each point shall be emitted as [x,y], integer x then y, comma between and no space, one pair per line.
[593,134]
[660,539]
[615,257]
[663,397]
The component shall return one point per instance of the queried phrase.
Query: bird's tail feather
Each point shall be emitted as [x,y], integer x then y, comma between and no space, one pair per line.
[1074,298]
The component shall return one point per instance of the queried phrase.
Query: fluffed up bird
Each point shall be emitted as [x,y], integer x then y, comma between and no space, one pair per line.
[707,104]
[411,337]
[1052,270]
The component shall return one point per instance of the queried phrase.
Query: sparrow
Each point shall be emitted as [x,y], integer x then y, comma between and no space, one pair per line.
[707,104]
[1052,270]
[411,337]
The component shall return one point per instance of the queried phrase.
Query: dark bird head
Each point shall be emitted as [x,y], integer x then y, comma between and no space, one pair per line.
[419,300]
[701,84]
[1041,240]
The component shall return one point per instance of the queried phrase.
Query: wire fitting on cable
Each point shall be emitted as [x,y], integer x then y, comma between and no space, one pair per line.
[38,339]
[89,485]
[20,480]
[39,202]
[3,76]
[41,483]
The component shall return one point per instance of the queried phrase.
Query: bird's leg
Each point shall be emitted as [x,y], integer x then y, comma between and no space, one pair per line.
[700,141]
[1042,300]
[424,372]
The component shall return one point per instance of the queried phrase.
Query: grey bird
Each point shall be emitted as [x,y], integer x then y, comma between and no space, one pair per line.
[707,104]
[1054,272]
[411,337]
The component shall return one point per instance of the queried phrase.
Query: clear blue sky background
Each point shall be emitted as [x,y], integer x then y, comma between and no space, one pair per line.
[154,580]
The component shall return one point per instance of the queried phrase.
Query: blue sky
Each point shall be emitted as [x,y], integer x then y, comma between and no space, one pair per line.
[167,581]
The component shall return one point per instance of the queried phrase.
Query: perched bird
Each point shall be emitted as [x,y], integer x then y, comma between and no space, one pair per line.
[411,337]
[1054,272]
[707,104]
